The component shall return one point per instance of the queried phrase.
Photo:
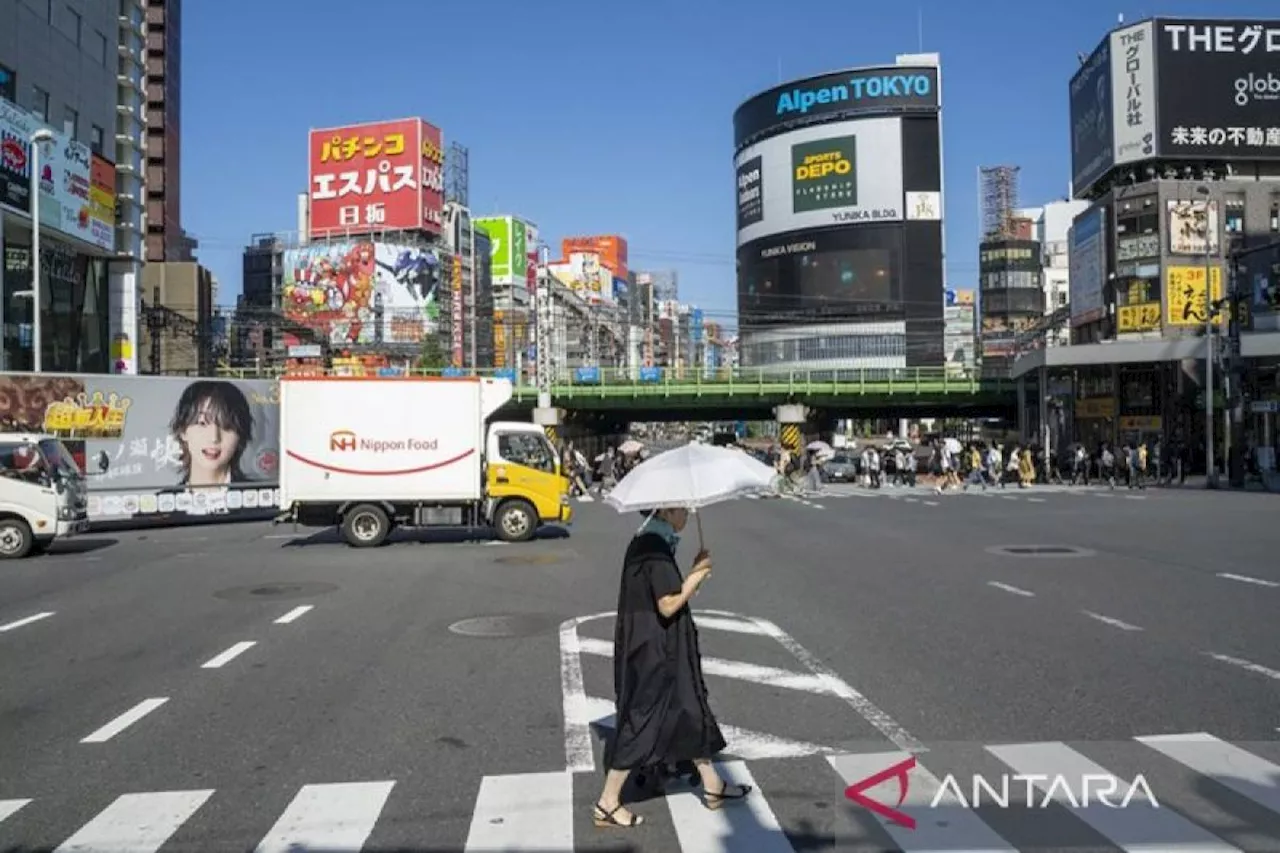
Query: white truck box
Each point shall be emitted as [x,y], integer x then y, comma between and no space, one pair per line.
[385,439]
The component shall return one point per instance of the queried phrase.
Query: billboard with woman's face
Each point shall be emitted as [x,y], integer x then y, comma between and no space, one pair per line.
[176,445]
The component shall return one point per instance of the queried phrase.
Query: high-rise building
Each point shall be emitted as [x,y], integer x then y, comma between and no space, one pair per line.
[166,240]
[129,126]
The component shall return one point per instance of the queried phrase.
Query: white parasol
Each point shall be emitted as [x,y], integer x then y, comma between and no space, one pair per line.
[630,446]
[692,476]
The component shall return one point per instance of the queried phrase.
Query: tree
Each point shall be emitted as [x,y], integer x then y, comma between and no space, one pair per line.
[432,356]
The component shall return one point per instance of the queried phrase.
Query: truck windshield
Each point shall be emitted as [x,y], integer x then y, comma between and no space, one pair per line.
[526,448]
[59,458]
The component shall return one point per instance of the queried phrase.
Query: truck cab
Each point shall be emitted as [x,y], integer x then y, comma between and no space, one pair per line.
[522,466]
[43,494]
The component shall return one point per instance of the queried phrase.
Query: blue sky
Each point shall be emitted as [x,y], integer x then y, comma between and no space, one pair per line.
[608,117]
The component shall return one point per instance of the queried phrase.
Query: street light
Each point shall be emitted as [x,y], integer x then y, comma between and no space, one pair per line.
[39,137]
[1211,475]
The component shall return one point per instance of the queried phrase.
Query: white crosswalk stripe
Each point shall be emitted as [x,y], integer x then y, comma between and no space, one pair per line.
[551,811]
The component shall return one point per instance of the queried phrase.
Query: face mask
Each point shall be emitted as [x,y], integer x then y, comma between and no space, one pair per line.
[663,528]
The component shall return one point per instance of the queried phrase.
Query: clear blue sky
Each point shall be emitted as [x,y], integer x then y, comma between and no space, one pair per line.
[611,117]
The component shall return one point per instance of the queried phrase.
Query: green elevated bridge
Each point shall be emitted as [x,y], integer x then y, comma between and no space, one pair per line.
[618,395]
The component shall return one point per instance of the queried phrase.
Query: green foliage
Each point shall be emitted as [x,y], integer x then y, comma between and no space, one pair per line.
[432,356]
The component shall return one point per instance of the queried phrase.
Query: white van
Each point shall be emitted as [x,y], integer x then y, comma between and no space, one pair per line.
[43,493]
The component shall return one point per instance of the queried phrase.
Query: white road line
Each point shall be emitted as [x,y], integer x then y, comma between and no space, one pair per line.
[579,756]
[128,718]
[139,823]
[719,623]
[26,620]
[911,500]
[1135,497]
[283,536]
[1008,498]
[1227,575]
[1013,589]
[860,704]
[1227,764]
[817,506]
[1035,500]
[1111,620]
[8,808]
[749,826]
[295,614]
[229,655]
[930,503]
[1137,826]
[530,811]
[953,826]
[1247,665]
[737,670]
[339,816]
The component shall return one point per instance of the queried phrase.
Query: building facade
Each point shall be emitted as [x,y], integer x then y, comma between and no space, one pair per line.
[1011,295]
[166,241]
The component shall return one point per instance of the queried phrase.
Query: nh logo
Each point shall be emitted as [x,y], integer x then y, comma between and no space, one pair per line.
[343,439]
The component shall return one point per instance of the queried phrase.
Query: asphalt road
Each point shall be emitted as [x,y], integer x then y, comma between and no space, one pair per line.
[225,687]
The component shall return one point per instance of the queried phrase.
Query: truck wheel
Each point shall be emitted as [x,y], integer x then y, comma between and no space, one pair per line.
[15,539]
[516,521]
[366,526]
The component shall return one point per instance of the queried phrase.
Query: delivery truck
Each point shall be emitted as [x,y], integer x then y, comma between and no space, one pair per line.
[370,454]
[44,496]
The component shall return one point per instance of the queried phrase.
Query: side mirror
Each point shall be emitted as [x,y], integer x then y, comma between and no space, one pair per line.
[103,460]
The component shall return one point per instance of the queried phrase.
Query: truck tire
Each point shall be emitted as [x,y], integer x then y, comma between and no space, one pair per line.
[516,521]
[16,540]
[366,526]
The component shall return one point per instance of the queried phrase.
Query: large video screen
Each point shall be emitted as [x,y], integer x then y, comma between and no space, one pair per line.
[836,275]
[844,173]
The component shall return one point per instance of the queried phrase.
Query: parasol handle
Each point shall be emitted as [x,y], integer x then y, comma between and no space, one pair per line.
[698,516]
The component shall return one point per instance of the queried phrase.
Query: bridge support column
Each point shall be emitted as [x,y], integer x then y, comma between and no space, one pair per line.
[791,422]
[548,417]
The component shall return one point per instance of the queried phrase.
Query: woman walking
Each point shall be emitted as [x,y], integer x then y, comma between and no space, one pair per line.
[663,715]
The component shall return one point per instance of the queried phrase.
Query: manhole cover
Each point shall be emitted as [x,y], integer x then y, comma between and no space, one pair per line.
[275,591]
[1040,551]
[530,559]
[517,625]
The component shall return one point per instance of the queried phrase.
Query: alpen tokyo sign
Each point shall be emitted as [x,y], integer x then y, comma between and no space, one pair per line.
[1023,790]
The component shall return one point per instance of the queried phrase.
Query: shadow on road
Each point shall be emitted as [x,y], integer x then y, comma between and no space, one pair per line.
[451,536]
[79,545]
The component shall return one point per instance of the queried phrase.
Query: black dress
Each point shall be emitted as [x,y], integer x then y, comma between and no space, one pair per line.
[663,713]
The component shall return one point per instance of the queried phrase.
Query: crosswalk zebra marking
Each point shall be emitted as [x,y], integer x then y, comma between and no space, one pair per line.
[714,622]
[957,828]
[528,811]
[339,816]
[136,823]
[1140,828]
[749,826]
[1227,764]
[8,808]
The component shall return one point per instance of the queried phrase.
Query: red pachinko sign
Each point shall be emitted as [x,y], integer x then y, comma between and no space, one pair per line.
[381,176]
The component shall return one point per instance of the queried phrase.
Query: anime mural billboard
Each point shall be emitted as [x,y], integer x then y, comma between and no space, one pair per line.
[176,446]
[363,292]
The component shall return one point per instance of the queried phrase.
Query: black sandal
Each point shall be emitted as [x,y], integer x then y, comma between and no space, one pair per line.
[604,819]
[717,801]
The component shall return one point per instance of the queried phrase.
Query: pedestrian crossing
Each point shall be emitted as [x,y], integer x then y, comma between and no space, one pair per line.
[1205,794]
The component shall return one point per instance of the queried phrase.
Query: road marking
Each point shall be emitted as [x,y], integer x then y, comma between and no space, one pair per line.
[930,503]
[530,811]
[229,655]
[747,826]
[1227,764]
[911,500]
[1008,498]
[1110,620]
[953,826]
[338,816]
[737,670]
[1247,665]
[817,506]
[283,536]
[579,757]
[26,620]
[712,622]
[140,823]
[128,718]
[1131,828]
[295,614]
[1229,576]
[8,808]
[1013,589]
[1135,497]
[1035,500]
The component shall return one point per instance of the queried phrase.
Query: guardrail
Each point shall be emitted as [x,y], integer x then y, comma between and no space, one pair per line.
[673,382]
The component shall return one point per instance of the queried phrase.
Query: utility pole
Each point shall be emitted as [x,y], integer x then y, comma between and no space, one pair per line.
[544,415]
[1211,474]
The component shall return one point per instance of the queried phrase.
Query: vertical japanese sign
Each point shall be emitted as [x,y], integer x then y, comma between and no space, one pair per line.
[455,313]
[499,230]
[431,177]
[1133,92]
[1185,298]
[366,178]
[531,243]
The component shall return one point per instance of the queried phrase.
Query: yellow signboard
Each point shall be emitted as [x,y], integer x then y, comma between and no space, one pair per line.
[1184,295]
[1096,407]
[1143,317]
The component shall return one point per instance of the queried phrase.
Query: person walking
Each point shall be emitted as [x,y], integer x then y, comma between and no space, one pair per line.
[663,714]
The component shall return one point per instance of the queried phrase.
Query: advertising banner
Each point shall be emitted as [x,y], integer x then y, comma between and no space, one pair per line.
[102,203]
[531,241]
[1092,115]
[955,298]
[847,173]
[610,249]
[1142,317]
[837,96]
[1137,248]
[1193,227]
[362,292]
[455,311]
[1133,92]
[365,178]
[498,228]
[1184,295]
[1088,266]
[1219,92]
[519,250]
[431,176]
[190,447]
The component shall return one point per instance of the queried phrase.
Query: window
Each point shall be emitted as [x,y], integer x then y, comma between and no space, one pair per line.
[8,84]
[96,139]
[40,103]
[70,122]
[526,449]
[71,25]
[98,48]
